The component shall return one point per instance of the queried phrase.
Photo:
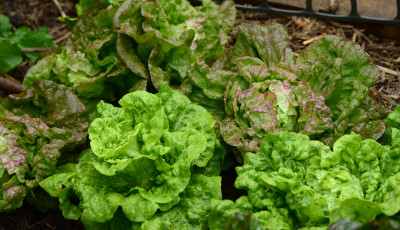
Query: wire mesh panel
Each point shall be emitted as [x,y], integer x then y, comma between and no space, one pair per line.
[353,16]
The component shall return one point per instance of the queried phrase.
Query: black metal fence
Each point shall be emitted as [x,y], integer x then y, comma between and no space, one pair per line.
[309,12]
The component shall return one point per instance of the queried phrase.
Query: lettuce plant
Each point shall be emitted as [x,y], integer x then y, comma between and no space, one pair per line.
[259,87]
[294,176]
[35,127]
[126,45]
[156,157]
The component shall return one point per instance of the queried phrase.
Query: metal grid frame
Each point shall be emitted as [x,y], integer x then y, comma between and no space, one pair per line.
[309,12]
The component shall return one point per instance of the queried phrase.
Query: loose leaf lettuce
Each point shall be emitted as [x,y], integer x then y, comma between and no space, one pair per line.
[323,94]
[116,49]
[35,127]
[149,157]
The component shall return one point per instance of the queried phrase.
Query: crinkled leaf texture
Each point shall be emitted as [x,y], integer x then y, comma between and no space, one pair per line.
[156,157]
[358,180]
[323,94]
[34,128]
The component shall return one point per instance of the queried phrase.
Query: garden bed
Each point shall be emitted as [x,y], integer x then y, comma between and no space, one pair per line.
[384,52]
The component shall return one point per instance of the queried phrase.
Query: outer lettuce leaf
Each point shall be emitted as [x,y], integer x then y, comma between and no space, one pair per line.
[208,88]
[35,127]
[342,73]
[194,207]
[229,215]
[386,224]
[269,42]
[144,158]
[354,181]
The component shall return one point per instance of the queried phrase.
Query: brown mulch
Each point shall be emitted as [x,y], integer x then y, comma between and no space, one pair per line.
[384,52]
[33,14]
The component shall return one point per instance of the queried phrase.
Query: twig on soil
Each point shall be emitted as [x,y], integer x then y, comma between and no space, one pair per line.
[59,8]
[61,39]
[388,71]
[313,39]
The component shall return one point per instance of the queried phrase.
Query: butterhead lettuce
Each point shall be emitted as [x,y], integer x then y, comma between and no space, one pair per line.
[357,180]
[153,163]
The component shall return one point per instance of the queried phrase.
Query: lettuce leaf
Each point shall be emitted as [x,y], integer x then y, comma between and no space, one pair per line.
[152,157]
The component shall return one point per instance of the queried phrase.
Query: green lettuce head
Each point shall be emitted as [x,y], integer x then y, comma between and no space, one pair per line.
[358,180]
[153,163]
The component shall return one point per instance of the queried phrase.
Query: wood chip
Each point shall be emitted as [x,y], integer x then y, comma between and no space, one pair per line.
[313,39]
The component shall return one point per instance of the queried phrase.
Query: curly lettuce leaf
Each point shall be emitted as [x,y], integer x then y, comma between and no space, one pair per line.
[171,36]
[146,157]
[342,73]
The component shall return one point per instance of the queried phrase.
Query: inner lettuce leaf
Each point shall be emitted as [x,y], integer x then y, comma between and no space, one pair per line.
[35,128]
[357,180]
[156,157]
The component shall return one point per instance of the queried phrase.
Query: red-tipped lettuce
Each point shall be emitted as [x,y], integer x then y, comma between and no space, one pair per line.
[35,127]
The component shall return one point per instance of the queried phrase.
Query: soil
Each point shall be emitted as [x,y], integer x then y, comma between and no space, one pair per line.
[385,53]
